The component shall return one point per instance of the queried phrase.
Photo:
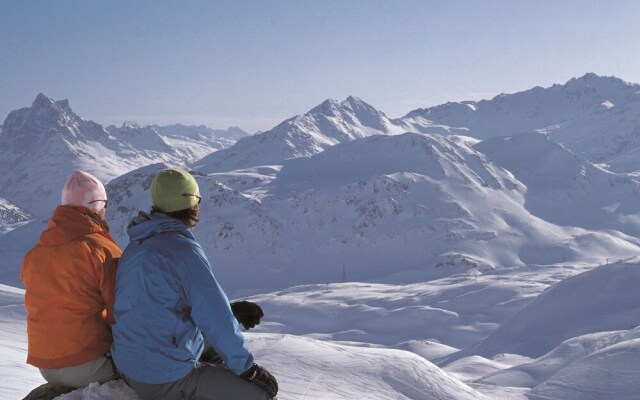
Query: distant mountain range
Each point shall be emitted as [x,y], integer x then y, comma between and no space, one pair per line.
[41,144]
[344,192]
[597,118]
[593,116]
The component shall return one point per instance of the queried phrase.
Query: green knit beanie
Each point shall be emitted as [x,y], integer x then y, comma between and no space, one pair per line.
[173,190]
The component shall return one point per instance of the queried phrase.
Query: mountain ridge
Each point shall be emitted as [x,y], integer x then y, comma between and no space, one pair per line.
[323,126]
[353,182]
[593,116]
[41,144]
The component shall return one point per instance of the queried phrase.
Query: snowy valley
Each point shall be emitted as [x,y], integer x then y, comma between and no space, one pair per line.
[474,250]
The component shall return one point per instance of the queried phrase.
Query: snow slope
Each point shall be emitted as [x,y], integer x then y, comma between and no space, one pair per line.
[320,371]
[432,319]
[564,188]
[306,368]
[537,372]
[611,373]
[15,243]
[10,215]
[313,370]
[600,300]
[16,378]
[187,143]
[317,363]
[367,208]
[201,132]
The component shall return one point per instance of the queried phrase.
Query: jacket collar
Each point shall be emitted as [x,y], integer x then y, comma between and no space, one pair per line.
[146,225]
[70,222]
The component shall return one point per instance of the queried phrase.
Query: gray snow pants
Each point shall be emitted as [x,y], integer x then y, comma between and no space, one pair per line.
[205,382]
[100,370]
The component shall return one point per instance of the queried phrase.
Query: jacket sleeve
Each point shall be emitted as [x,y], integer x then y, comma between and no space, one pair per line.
[211,312]
[105,268]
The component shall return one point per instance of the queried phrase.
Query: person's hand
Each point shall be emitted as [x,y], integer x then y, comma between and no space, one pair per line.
[262,378]
[210,356]
[247,313]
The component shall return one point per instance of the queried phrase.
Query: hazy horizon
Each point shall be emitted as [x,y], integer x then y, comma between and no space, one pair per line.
[253,64]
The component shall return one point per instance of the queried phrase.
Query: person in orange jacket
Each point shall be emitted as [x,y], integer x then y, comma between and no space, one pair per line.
[69,280]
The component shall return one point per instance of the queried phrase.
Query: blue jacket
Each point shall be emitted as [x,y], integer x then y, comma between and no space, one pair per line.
[166,300]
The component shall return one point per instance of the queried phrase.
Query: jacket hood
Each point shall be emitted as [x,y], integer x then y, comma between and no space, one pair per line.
[146,225]
[71,222]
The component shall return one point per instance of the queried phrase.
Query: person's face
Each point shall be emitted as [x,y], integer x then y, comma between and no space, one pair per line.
[102,212]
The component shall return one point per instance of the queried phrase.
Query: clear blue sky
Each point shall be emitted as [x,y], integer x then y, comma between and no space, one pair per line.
[253,64]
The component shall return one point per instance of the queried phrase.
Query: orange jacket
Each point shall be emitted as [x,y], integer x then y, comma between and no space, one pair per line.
[69,278]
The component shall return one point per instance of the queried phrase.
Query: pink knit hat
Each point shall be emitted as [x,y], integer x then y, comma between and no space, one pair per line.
[83,189]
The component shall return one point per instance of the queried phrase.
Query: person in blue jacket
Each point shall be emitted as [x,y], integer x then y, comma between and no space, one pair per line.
[168,303]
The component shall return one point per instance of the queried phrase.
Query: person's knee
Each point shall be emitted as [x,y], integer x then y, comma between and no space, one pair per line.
[216,382]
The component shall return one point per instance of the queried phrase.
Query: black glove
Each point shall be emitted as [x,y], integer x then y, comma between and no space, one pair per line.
[262,378]
[247,313]
[210,356]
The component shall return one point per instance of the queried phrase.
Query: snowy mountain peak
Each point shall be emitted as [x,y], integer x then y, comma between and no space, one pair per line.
[595,80]
[130,125]
[46,120]
[598,89]
[551,108]
[352,108]
[42,101]
[40,145]
[328,106]
[45,104]
[448,107]
[351,118]
[591,88]
[354,99]
[325,125]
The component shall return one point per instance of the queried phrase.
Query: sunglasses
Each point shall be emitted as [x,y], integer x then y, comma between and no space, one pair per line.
[193,195]
[106,202]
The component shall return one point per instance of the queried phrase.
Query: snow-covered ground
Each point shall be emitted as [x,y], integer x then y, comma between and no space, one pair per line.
[425,340]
